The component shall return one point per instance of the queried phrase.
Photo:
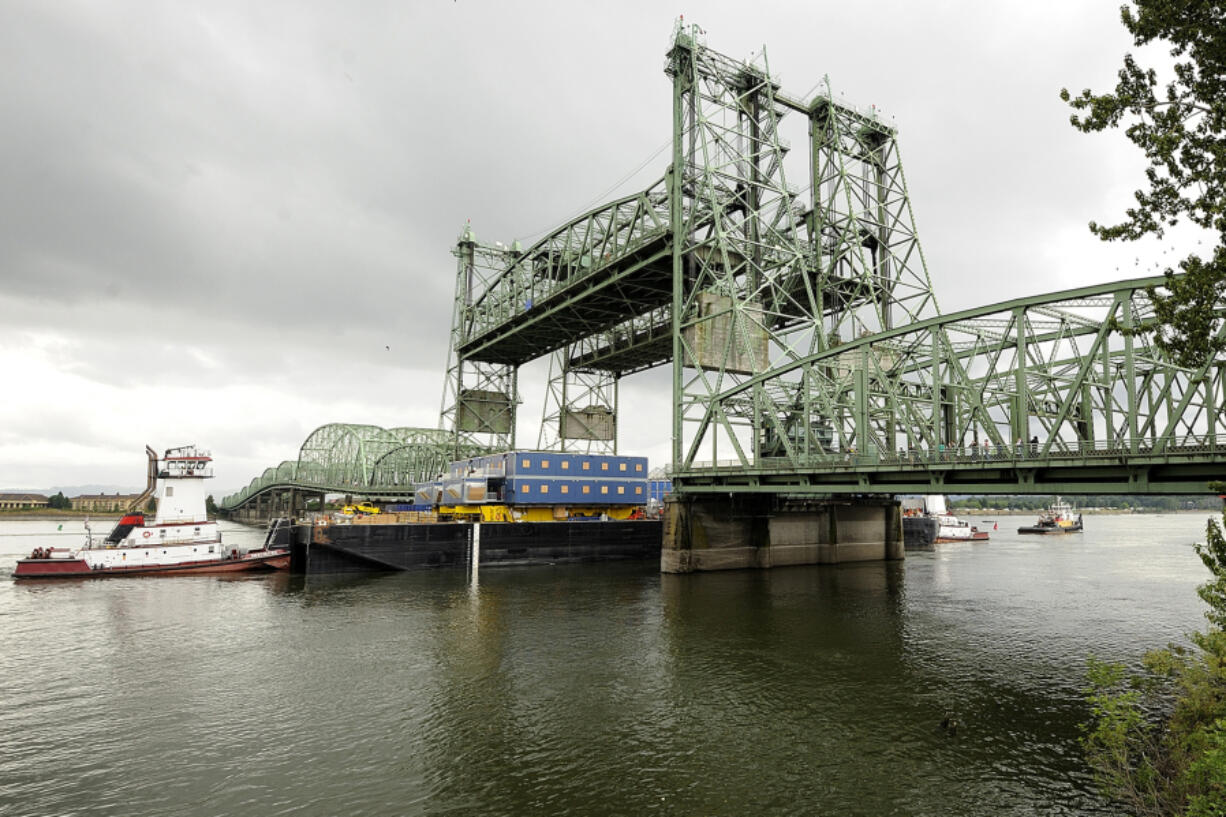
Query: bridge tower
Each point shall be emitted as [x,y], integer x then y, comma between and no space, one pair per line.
[479,397]
[763,277]
[580,407]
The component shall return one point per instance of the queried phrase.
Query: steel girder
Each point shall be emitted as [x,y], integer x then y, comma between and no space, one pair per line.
[604,267]
[1035,394]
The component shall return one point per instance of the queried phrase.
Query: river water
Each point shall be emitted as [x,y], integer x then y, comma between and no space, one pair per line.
[583,690]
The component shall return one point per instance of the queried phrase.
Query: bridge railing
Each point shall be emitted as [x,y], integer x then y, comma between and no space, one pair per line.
[1189,446]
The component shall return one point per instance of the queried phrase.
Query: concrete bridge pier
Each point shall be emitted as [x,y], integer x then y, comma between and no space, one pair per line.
[733,531]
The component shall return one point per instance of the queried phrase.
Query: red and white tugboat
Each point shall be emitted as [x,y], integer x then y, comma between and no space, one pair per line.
[180,539]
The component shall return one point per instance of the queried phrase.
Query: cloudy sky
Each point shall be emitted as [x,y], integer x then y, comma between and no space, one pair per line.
[230,222]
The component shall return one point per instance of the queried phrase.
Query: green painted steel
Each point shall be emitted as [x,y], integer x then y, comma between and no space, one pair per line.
[361,460]
[807,349]
[1035,395]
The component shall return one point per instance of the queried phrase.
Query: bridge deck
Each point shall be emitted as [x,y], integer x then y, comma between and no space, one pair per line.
[1176,469]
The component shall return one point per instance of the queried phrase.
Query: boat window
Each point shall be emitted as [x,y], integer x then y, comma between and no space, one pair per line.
[162,533]
[210,548]
[170,490]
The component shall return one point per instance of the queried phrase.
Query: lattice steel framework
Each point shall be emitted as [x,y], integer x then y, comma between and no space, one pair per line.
[362,459]
[808,354]
[760,278]
[580,407]
[479,396]
[998,398]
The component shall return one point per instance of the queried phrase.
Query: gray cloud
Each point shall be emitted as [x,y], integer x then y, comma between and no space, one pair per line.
[259,200]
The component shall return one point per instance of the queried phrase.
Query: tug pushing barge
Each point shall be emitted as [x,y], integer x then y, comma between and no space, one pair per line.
[512,508]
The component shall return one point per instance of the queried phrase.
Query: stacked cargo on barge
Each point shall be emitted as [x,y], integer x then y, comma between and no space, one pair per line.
[510,508]
[540,486]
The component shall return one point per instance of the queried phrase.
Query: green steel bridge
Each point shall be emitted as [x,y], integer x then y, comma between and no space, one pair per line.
[807,350]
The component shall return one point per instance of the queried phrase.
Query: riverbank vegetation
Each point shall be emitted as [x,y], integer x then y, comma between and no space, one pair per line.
[1156,738]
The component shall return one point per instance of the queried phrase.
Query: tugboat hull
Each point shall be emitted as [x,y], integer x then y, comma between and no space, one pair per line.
[1050,529]
[72,568]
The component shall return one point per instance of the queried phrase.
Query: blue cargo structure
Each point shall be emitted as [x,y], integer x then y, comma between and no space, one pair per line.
[657,489]
[542,478]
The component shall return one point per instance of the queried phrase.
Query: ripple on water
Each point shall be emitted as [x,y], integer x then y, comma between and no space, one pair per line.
[594,690]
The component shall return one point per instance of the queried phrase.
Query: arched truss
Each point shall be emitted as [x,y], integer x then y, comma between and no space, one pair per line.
[342,454]
[1050,379]
[342,457]
[422,455]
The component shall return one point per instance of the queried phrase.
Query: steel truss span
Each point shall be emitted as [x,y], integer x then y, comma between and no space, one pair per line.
[786,290]
[1037,395]
[359,459]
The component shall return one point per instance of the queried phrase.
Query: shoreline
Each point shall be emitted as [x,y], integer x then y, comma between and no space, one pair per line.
[56,513]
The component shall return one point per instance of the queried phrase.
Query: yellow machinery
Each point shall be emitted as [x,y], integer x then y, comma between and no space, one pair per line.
[534,513]
[361,507]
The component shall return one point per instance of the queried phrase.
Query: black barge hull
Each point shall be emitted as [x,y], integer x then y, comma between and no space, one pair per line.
[415,546]
[919,532]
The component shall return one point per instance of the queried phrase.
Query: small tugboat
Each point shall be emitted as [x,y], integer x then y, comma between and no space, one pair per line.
[179,540]
[1058,519]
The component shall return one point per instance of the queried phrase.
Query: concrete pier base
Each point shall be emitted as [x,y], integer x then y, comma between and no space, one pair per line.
[730,533]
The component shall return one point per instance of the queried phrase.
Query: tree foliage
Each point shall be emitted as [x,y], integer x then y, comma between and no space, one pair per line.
[1157,740]
[59,501]
[1181,129]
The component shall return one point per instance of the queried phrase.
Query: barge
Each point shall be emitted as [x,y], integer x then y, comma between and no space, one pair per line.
[509,508]
[322,546]
[926,522]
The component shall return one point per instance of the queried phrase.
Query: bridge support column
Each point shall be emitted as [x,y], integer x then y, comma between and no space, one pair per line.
[734,532]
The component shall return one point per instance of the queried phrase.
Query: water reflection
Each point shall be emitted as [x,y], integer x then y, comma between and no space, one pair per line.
[588,689]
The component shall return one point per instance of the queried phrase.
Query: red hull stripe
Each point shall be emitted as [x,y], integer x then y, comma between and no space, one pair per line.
[77,568]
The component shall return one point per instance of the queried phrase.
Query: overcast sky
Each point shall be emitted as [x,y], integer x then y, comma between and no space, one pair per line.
[218,217]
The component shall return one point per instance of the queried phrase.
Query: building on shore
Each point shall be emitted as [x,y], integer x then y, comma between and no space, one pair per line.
[13,502]
[106,503]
